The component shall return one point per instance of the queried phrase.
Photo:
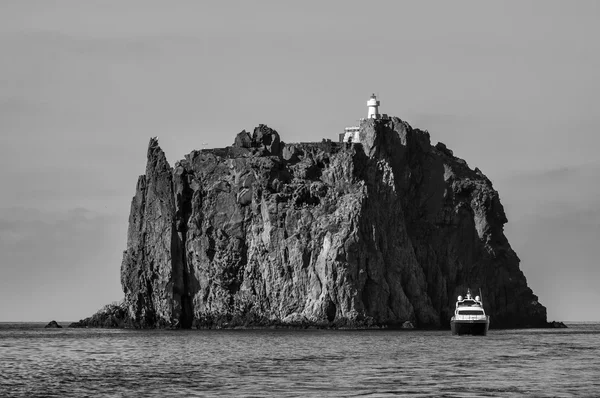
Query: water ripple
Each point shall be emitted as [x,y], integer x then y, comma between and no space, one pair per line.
[38,362]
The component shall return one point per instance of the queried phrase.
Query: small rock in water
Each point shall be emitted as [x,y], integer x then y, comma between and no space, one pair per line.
[557,325]
[53,324]
[408,325]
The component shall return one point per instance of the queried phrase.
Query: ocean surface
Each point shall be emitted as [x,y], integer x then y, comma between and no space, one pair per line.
[38,362]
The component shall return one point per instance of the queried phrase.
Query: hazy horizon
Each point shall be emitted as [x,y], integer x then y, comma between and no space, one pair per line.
[511,87]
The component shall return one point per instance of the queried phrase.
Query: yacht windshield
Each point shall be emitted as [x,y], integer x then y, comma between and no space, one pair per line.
[470,312]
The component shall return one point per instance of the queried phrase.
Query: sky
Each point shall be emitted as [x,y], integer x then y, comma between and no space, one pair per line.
[512,87]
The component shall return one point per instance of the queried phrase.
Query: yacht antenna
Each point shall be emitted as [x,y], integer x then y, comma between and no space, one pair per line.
[481,297]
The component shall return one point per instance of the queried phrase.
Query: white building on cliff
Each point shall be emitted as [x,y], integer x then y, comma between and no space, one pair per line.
[351,134]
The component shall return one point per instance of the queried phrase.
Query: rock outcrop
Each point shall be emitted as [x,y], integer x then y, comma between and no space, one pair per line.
[557,325]
[386,232]
[53,325]
[114,315]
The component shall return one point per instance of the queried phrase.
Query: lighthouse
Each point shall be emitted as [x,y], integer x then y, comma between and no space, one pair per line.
[373,106]
[352,134]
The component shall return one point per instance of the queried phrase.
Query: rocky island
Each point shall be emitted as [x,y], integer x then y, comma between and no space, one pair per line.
[383,232]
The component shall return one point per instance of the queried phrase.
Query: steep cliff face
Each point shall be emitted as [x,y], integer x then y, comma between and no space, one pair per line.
[378,233]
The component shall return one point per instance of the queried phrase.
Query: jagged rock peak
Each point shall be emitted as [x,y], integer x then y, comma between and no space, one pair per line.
[156,159]
[264,138]
[243,140]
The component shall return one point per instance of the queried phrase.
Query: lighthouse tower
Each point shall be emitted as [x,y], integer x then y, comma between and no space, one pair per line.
[373,106]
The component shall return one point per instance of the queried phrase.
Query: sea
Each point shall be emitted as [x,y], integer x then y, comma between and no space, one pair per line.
[38,362]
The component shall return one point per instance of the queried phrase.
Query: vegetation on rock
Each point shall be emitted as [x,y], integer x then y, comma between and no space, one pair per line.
[112,315]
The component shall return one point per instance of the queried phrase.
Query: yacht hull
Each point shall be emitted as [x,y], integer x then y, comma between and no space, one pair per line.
[470,327]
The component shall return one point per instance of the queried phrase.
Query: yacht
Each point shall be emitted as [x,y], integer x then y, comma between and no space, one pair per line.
[469,316]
